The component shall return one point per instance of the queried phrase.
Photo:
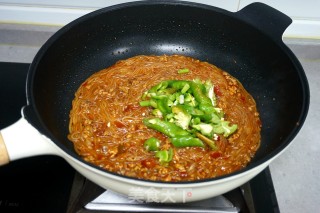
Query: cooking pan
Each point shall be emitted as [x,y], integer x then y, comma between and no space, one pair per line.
[248,44]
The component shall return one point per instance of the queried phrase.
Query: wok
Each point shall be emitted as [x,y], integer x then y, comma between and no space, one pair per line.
[248,44]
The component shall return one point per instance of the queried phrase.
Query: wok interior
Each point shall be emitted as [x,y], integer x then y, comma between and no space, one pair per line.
[100,39]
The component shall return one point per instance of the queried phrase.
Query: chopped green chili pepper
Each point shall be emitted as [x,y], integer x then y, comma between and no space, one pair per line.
[210,92]
[168,91]
[165,156]
[162,105]
[196,121]
[157,113]
[205,129]
[190,109]
[153,103]
[161,85]
[189,100]
[165,127]
[186,112]
[185,88]
[145,103]
[198,91]
[185,70]
[209,117]
[186,141]
[152,144]
[181,117]
[224,128]
[177,84]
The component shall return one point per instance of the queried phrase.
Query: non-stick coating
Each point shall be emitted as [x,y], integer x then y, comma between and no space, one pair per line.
[266,67]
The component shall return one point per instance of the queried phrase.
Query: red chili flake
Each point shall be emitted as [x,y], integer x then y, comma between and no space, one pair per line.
[243,99]
[259,122]
[136,127]
[90,116]
[131,107]
[215,154]
[149,163]
[119,124]
[217,91]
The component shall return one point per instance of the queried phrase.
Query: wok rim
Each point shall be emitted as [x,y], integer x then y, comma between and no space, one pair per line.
[39,123]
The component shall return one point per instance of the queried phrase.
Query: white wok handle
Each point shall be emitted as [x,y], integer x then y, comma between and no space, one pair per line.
[22,140]
[4,157]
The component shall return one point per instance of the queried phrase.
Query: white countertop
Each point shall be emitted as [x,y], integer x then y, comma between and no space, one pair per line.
[295,173]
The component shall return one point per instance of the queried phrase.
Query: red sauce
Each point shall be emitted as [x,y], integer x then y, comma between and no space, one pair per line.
[106,121]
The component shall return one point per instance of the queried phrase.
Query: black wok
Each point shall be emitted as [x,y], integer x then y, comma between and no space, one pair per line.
[248,44]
